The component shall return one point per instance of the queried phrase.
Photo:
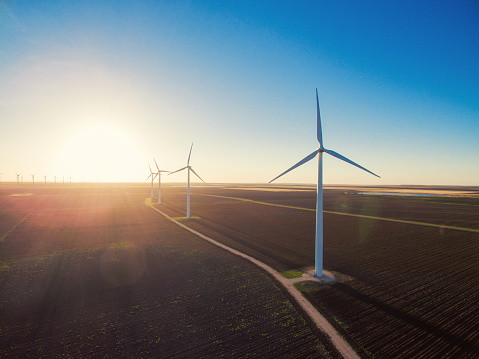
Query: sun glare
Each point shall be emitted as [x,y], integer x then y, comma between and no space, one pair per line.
[100,153]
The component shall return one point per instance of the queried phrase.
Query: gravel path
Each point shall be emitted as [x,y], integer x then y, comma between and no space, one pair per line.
[342,346]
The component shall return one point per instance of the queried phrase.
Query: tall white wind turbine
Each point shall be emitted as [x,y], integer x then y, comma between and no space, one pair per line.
[153,176]
[319,199]
[188,186]
[159,180]
[18,178]
[33,178]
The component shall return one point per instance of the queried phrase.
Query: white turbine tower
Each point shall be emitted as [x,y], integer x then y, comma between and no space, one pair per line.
[18,178]
[159,180]
[33,178]
[153,176]
[188,186]
[45,177]
[319,200]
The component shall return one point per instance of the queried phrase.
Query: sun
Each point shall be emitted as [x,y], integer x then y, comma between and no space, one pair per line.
[100,153]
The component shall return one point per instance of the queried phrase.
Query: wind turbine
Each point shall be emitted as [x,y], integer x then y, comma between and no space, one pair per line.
[33,178]
[18,178]
[319,199]
[159,180]
[45,177]
[188,186]
[153,176]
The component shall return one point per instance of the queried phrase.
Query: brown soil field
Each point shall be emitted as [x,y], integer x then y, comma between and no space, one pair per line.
[414,288]
[90,271]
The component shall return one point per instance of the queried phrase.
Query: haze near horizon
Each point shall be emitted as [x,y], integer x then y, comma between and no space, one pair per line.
[95,91]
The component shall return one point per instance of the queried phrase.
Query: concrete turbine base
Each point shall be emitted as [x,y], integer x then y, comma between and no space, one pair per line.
[329,277]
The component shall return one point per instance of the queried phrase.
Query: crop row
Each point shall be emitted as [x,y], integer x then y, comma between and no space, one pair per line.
[136,286]
[412,292]
[185,316]
[415,288]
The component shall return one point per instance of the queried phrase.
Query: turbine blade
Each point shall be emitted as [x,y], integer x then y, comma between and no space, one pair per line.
[181,169]
[188,163]
[318,116]
[148,177]
[303,161]
[150,168]
[156,164]
[337,155]
[192,170]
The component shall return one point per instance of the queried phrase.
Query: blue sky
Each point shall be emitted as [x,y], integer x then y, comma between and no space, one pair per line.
[94,91]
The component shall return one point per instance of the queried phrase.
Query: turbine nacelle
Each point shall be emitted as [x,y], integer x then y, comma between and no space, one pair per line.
[321,149]
[319,200]
[159,180]
[151,174]
[189,168]
[159,171]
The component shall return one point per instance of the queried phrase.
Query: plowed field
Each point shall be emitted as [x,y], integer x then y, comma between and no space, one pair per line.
[415,288]
[93,272]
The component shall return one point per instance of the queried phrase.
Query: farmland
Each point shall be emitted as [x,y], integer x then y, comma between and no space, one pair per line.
[414,287]
[90,271]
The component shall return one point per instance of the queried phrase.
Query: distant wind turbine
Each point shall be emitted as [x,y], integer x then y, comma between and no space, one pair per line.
[159,180]
[153,176]
[319,199]
[55,179]
[188,186]
[45,177]
[18,178]
[33,178]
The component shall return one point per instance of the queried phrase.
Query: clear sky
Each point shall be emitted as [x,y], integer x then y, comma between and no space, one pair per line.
[94,90]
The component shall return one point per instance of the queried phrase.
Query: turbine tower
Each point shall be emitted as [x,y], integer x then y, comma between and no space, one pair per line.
[188,186]
[153,176]
[159,180]
[33,178]
[319,199]
[45,177]
[18,178]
